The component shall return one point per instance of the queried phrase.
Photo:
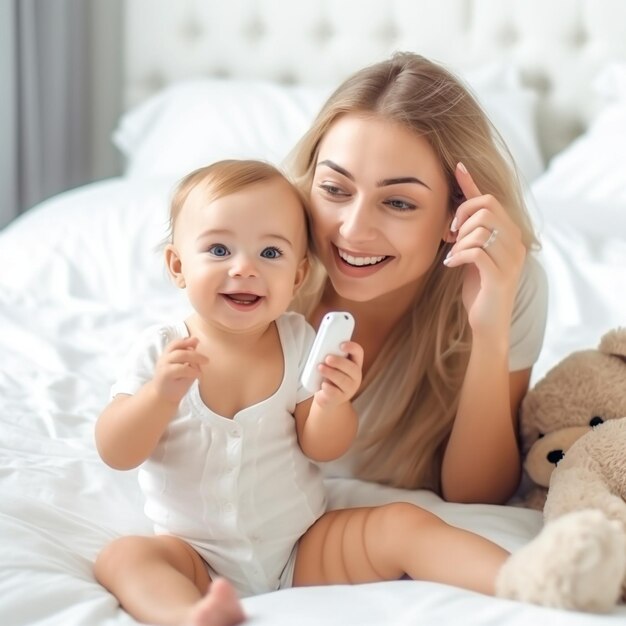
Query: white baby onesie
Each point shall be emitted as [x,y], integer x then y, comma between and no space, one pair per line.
[240,491]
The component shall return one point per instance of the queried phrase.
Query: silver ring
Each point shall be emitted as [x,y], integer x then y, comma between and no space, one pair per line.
[492,237]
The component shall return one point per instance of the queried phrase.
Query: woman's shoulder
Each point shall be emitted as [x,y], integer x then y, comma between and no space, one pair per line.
[533,284]
[530,315]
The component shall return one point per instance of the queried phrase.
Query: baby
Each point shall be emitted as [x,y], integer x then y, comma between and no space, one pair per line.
[213,410]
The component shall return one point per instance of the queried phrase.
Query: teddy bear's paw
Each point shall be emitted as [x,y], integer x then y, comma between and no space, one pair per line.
[577,562]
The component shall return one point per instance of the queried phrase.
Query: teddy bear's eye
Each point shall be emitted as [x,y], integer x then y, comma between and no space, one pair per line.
[596,420]
[540,435]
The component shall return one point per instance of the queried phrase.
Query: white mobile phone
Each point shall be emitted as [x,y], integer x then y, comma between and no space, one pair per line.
[336,327]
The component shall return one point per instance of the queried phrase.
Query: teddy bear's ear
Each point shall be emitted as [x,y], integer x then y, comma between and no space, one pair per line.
[614,343]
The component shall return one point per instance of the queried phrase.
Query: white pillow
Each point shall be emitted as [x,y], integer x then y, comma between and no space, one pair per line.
[580,202]
[611,82]
[586,274]
[192,123]
[98,243]
[585,184]
[593,167]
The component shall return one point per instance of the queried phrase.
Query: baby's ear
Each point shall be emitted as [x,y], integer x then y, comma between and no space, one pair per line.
[174,265]
[301,273]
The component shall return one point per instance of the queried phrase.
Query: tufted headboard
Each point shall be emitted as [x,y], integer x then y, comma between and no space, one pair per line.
[558,45]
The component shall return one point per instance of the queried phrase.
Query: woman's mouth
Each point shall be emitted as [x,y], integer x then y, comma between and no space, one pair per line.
[358,264]
[359,261]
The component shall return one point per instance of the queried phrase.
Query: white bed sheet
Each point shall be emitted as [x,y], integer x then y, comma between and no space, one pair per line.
[66,317]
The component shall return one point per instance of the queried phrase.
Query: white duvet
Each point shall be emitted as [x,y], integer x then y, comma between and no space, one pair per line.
[79,275]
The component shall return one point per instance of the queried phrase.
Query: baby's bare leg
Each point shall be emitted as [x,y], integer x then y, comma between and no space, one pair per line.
[162,580]
[384,543]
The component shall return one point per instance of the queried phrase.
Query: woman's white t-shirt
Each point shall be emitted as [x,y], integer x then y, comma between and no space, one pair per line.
[526,338]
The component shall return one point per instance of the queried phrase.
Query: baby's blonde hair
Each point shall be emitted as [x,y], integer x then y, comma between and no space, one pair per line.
[223,178]
[432,342]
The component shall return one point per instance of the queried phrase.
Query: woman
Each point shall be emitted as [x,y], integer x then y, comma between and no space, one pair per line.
[420,225]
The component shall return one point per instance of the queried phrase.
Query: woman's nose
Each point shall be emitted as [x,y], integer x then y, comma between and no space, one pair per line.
[357,222]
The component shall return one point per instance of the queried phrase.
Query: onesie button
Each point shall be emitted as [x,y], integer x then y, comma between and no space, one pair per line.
[235,433]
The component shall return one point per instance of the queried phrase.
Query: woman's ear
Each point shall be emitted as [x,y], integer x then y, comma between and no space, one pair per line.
[448,236]
[174,265]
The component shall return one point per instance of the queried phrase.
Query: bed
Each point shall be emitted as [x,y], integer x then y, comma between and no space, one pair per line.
[206,80]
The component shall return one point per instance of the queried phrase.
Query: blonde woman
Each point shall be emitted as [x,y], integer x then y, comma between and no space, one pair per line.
[421,229]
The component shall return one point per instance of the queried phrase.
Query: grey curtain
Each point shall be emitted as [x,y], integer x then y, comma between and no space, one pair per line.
[45,109]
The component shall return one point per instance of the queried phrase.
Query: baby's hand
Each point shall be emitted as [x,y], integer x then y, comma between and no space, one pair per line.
[177,368]
[341,376]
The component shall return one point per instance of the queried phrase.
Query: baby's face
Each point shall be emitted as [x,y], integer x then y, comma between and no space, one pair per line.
[242,255]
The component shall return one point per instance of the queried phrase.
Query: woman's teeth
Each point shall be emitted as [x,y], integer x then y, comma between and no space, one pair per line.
[360,260]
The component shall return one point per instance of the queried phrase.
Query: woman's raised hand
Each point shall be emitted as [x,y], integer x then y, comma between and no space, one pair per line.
[489,245]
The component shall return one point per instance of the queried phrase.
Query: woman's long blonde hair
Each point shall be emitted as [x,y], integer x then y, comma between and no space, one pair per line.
[416,404]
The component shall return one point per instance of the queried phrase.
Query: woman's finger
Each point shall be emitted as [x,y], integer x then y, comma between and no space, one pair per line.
[477,237]
[466,182]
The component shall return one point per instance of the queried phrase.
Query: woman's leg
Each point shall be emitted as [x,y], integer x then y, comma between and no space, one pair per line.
[386,542]
[162,580]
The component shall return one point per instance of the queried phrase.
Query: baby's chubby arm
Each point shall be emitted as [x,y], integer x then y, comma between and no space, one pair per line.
[327,423]
[130,427]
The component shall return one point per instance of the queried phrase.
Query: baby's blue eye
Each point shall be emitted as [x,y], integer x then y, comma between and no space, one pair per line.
[219,249]
[271,253]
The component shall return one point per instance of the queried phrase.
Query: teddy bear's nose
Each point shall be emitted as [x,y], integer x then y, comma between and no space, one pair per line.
[554,456]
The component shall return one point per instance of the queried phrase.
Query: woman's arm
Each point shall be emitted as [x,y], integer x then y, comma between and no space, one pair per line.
[482,459]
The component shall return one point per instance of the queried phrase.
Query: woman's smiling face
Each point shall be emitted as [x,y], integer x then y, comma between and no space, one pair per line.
[379,203]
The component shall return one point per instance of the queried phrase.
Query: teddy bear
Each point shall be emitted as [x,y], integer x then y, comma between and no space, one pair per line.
[573,430]
[584,390]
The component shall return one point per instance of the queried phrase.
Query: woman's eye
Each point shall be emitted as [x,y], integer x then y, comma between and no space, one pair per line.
[332,190]
[400,205]
[271,253]
[219,249]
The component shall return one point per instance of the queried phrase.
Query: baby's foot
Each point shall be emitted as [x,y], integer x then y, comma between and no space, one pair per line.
[219,607]
[576,562]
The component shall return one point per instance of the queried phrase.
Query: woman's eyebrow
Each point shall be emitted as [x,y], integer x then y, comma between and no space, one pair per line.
[383,183]
[337,168]
[402,180]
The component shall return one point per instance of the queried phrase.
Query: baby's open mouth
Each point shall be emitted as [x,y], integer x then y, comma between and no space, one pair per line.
[242,298]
